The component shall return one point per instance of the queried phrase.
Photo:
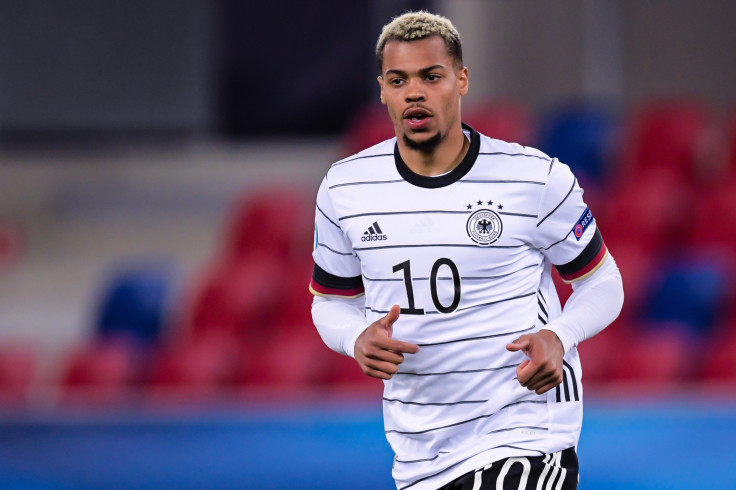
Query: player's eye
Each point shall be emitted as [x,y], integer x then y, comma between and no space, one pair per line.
[396,81]
[433,78]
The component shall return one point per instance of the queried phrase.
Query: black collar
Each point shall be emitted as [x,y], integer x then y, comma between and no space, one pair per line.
[451,177]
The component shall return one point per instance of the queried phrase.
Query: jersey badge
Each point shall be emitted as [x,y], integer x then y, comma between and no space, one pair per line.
[585,220]
[484,226]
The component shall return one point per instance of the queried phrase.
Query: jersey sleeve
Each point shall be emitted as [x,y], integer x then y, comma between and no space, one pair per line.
[567,232]
[336,267]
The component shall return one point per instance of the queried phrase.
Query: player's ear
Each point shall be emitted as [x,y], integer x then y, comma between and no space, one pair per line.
[463,80]
[380,82]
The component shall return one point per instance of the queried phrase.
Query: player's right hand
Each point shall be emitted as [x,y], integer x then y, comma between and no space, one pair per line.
[377,353]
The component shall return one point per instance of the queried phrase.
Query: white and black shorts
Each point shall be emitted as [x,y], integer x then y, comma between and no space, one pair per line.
[556,471]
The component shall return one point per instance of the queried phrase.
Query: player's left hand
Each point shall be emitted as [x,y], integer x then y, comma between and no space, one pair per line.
[543,370]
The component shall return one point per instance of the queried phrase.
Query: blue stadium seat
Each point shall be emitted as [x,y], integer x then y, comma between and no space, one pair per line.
[581,136]
[135,302]
[693,291]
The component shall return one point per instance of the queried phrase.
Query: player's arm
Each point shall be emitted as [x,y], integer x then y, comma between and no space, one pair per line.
[338,312]
[338,309]
[343,327]
[596,301]
[569,236]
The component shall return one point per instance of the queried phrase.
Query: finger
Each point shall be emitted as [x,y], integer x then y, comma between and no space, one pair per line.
[545,388]
[386,356]
[542,379]
[377,374]
[380,369]
[521,372]
[389,350]
[406,347]
[521,343]
[393,345]
[392,315]
[526,371]
[387,321]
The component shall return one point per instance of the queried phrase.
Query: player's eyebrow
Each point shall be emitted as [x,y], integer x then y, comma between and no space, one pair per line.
[422,71]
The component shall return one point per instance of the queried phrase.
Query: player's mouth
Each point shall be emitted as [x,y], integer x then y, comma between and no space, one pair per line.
[417,118]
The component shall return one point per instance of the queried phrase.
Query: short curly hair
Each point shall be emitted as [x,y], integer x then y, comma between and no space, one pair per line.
[421,24]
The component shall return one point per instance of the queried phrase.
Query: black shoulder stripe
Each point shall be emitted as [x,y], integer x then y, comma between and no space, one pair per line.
[589,253]
[324,278]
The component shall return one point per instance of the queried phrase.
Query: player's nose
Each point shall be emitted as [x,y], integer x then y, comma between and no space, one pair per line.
[414,91]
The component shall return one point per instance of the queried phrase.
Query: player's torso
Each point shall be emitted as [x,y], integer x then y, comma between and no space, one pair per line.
[461,251]
[461,262]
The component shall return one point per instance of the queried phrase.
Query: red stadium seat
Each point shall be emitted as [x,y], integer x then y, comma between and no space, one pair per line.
[294,310]
[714,218]
[656,355]
[102,372]
[369,126]
[665,135]
[503,120]
[196,367]
[650,212]
[292,359]
[719,363]
[18,367]
[237,297]
[345,376]
[599,353]
[277,220]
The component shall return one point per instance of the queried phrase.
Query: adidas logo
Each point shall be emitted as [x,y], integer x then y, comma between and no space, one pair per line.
[373,233]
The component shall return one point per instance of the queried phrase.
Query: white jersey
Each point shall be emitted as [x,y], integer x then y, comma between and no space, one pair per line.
[468,257]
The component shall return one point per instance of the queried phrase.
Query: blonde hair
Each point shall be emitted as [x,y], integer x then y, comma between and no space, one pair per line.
[421,24]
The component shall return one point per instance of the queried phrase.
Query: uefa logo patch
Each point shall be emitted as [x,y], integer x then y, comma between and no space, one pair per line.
[484,226]
[582,224]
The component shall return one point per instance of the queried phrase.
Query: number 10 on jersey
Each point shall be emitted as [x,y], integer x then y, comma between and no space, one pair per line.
[433,279]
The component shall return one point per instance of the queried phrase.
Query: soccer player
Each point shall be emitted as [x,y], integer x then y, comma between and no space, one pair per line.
[433,259]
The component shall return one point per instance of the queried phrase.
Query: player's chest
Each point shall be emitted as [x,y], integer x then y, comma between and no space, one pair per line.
[464,215]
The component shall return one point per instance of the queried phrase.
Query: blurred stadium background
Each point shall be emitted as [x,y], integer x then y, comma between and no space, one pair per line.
[158,164]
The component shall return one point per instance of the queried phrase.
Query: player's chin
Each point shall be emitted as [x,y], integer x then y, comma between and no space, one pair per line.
[422,141]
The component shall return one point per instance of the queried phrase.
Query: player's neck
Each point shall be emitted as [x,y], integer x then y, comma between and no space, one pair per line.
[442,159]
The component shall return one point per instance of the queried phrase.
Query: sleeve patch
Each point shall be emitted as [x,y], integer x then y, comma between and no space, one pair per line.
[585,220]
[587,262]
[325,284]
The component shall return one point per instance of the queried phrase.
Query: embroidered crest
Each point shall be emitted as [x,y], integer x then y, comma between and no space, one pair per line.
[484,226]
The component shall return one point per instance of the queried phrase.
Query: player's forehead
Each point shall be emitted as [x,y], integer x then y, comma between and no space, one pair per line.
[416,55]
